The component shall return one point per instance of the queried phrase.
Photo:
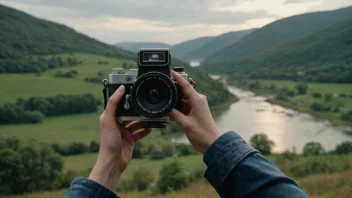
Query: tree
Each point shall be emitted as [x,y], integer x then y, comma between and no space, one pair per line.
[302,88]
[262,143]
[142,178]
[137,150]
[94,146]
[344,148]
[172,177]
[313,148]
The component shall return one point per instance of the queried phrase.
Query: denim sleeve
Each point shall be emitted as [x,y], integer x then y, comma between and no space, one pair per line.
[82,187]
[235,169]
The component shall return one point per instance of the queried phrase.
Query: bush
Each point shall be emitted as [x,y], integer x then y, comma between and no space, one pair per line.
[328,97]
[142,178]
[137,151]
[313,148]
[76,148]
[316,95]
[290,93]
[302,88]
[347,116]
[281,96]
[28,166]
[343,95]
[262,143]
[168,149]
[185,150]
[157,154]
[319,107]
[172,177]
[59,149]
[344,148]
[94,146]
[67,178]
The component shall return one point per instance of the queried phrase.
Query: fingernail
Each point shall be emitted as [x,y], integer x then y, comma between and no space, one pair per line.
[121,88]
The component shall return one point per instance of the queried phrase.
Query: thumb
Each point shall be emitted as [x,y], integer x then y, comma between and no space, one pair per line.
[179,118]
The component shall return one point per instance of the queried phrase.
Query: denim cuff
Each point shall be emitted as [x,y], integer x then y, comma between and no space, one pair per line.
[223,156]
[82,187]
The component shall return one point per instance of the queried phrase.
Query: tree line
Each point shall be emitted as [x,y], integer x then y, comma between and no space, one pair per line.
[35,64]
[35,109]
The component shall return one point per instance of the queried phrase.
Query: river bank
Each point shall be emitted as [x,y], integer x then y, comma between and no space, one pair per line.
[336,98]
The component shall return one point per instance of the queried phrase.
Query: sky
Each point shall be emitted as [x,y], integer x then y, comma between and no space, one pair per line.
[166,21]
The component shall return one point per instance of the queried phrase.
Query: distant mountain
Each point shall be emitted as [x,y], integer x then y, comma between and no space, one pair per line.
[23,35]
[278,32]
[322,56]
[181,49]
[134,46]
[216,44]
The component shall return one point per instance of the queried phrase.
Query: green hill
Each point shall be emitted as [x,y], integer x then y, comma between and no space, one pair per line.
[22,36]
[278,32]
[216,44]
[181,49]
[323,56]
[134,46]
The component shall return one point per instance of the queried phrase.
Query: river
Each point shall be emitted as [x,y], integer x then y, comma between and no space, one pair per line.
[286,127]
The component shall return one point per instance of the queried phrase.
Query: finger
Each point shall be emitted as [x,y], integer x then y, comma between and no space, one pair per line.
[186,87]
[126,123]
[179,118]
[134,126]
[140,135]
[110,110]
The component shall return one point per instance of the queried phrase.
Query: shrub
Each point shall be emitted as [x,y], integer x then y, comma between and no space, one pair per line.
[302,88]
[142,178]
[184,150]
[157,154]
[316,95]
[328,97]
[281,96]
[347,116]
[67,178]
[262,143]
[313,148]
[290,93]
[344,148]
[29,166]
[172,176]
[76,148]
[343,95]
[94,146]
[319,107]
[137,151]
[59,149]
[168,149]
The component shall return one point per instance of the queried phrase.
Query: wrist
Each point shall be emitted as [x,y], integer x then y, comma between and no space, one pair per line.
[106,172]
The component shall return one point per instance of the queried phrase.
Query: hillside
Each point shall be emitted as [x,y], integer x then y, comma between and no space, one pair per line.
[181,49]
[134,46]
[278,32]
[22,35]
[216,44]
[323,56]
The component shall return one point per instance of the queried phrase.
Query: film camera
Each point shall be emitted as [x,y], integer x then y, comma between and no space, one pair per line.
[151,93]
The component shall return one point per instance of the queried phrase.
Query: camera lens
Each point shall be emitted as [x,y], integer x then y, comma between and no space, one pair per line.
[153,95]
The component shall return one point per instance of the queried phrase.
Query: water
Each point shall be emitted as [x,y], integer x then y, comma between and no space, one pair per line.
[286,127]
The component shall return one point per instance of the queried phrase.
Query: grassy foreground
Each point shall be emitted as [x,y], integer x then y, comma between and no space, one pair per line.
[326,176]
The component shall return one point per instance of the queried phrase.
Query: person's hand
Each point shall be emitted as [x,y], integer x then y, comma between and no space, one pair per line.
[195,117]
[116,143]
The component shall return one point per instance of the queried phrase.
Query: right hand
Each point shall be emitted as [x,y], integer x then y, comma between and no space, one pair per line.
[196,119]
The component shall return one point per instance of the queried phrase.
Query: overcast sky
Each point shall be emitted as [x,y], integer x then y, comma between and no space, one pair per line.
[168,21]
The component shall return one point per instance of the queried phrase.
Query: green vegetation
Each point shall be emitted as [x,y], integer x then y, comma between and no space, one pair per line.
[323,56]
[23,36]
[215,44]
[324,100]
[134,46]
[277,33]
[262,143]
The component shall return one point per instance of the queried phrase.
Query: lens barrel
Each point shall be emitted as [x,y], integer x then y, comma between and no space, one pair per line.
[153,95]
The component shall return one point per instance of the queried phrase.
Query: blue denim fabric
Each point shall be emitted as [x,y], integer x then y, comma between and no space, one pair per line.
[86,188]
[235,169]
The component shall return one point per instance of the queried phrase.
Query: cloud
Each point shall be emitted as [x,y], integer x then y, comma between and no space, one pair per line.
[169,21]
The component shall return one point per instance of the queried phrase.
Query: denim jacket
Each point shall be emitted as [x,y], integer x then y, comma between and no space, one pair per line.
[234,169]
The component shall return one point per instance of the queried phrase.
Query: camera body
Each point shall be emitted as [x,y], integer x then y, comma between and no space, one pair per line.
[151,93]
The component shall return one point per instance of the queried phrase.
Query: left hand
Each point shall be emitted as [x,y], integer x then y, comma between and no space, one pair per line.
[116,143]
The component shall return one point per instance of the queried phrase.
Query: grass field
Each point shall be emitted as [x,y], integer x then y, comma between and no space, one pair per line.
[15,86]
